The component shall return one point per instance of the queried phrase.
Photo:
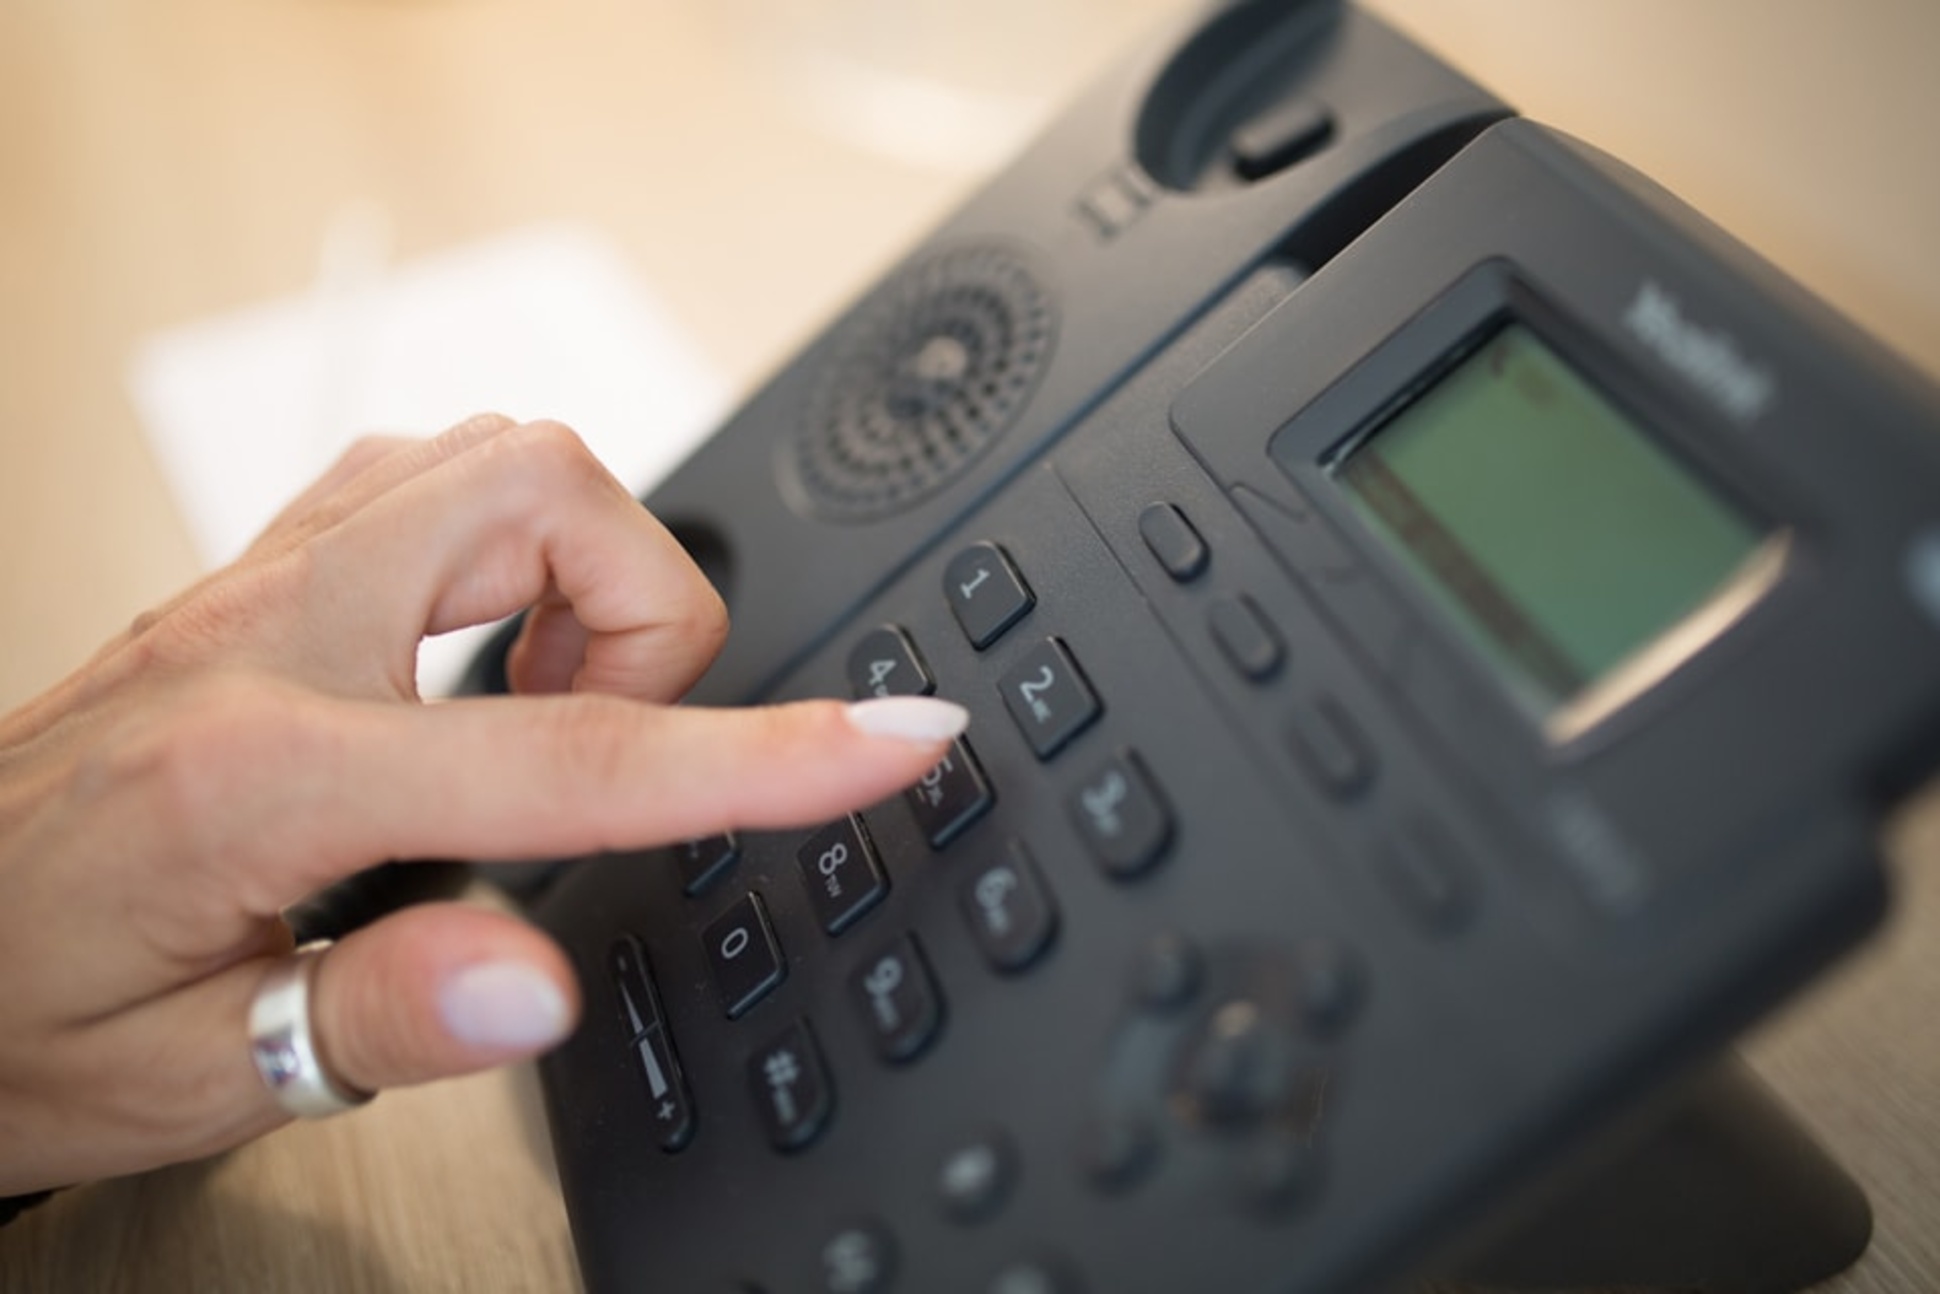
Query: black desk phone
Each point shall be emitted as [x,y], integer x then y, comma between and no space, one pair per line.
[1442,625]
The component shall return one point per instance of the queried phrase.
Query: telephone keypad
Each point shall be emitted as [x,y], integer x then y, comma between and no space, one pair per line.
[743,955]
[1009,910]
[985,593]
[1122,817]
[791,1088]
[951,796]
[841,873]
[898,1000]
[1048,697]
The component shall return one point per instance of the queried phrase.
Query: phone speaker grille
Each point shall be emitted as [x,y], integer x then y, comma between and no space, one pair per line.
[926,375]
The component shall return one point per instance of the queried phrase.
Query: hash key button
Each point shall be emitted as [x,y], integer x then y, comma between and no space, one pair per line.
[791,1087]
[1047,695]
[985,593]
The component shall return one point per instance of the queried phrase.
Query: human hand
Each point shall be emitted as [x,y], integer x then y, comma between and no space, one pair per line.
[260,736]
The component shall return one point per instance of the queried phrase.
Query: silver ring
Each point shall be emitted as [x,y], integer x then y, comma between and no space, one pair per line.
[283,1046]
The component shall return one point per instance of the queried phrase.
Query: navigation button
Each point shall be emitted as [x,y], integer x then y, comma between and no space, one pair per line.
[1048,697]
[886,663]
[985,593]
[791,1088]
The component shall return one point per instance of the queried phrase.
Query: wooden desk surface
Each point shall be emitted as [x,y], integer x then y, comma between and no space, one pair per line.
[164,159]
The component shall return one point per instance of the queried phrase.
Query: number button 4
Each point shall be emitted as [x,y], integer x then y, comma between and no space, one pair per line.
[886,663]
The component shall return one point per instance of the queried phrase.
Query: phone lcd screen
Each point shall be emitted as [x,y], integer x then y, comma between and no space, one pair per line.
[1558,536]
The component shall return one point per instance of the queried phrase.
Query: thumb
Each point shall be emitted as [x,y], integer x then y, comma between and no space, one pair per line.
[439,990]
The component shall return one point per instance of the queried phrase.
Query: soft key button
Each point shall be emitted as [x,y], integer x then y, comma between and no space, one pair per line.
[1180,552]
[670,1107]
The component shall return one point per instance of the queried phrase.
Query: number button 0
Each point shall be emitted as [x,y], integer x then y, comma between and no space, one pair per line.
[743,955]
[885,663]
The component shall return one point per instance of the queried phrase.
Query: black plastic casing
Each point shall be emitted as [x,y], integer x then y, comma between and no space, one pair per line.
[1541,933]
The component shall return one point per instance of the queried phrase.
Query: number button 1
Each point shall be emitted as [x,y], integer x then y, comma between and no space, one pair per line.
[743,955]
[985,593]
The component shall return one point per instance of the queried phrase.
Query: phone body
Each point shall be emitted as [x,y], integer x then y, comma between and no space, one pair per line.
[1442,624]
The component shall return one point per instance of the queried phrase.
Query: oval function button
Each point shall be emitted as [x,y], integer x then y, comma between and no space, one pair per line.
[1329,748]
[858,1259]
[1181,553]
[1247,638]
[975,1178]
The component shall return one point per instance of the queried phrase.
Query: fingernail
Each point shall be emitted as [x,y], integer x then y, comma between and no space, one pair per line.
[912,718]
[503,1006]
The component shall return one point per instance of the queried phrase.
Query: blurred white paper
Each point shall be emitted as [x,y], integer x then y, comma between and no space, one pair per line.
[245,409]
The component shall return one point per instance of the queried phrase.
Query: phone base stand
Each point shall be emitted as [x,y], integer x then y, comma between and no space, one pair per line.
[1723,1192]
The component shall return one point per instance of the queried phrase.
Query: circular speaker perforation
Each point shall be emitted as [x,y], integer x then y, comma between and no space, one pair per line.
[925,375]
